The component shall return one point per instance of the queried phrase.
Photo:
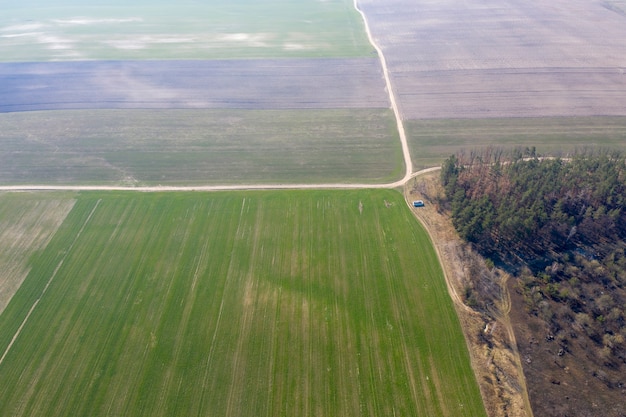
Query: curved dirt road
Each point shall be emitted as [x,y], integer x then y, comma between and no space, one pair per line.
[392,98]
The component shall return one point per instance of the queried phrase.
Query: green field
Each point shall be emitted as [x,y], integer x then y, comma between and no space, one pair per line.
[294,303]
[431,141]
[72,30]
[27,223]
[186,147]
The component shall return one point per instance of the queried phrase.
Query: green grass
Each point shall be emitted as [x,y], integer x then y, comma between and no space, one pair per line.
[199,146]
[27,223]
[237,304]
[36,31]
[431,141]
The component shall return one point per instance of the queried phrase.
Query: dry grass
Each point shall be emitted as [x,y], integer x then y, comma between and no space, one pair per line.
[491,342]
[27,223]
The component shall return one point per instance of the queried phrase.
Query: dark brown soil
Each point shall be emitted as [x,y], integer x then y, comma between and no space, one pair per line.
[564,382]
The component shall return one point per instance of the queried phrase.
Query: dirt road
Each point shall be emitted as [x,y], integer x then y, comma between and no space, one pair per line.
[173,188]
[401,132]
[392,98]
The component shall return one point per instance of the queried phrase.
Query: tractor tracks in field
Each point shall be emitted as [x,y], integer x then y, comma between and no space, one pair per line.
[408,175]
[59,265]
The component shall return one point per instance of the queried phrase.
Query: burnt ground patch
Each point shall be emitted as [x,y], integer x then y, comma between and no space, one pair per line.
[226,84]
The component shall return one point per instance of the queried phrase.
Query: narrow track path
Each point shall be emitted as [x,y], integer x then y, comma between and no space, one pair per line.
[172,188]
[392,97]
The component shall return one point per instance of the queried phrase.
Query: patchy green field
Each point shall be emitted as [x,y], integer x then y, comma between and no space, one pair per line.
[32,30]
[199,147]
[299,303]
[431,141]
[27,223]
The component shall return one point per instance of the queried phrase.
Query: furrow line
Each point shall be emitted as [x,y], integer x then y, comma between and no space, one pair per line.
[19,330]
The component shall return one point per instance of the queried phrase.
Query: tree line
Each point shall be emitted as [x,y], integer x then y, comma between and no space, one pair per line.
[560,225]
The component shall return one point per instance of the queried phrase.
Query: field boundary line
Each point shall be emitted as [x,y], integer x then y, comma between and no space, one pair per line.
[204,188]
[392,97]
[19,330]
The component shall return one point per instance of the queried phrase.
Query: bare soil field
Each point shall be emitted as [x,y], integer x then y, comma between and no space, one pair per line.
[511,58]
[27,223]
[232,84]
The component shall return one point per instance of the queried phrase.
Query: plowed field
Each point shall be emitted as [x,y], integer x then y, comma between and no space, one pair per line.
[510,58]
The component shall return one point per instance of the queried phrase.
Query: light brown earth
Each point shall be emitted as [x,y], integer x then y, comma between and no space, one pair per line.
[503,58]
[490,339]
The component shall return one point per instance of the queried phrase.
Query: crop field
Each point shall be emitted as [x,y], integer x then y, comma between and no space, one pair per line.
[236,304]
[183,147]
[498,59]
[432,141]
[251,84]
[303,87]
[27,223]
[32,30]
